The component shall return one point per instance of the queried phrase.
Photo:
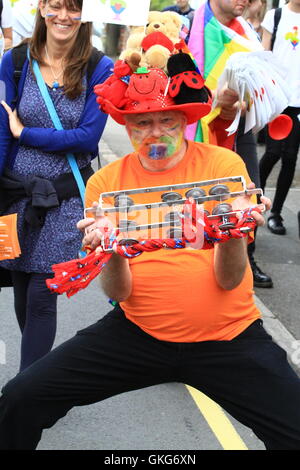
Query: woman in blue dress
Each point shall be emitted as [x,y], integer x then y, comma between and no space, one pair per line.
[33,156]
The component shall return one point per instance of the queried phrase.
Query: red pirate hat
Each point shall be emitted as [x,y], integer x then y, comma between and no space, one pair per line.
[152,90]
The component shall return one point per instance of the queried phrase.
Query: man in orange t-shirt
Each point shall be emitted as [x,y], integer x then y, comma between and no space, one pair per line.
[185,315]
[187,318]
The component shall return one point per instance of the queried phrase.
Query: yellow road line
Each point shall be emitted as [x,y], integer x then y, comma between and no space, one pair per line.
[218,421]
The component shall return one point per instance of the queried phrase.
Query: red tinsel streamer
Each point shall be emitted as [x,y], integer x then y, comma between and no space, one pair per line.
[74,275]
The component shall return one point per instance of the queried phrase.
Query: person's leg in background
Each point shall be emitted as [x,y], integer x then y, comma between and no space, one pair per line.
[261,136]
[20,286]
[287,151]
[246,148]
[269,159]
[36,309]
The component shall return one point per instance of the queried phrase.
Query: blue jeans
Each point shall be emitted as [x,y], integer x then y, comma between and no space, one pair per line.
[248,376]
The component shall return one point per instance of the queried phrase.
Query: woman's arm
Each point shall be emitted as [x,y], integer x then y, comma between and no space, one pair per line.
[8,93]
[86,136]
[7,23]
[8,36]
[266,39]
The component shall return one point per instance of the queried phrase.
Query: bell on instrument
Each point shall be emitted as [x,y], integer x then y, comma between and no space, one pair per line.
[222,210]
[174,233]
[173,217]
[218,190]
[171,196]
[198,194]
[123,201]
[127,225]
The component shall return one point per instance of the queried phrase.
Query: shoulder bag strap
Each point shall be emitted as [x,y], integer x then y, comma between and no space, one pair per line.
[57,123]
[277,16]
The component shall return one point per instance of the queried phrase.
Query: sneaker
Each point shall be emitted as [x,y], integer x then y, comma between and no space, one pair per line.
[275,224]
[260,279]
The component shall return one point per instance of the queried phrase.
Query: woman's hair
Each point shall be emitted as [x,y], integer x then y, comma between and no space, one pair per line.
[78,56]
[262,12]
[263,9]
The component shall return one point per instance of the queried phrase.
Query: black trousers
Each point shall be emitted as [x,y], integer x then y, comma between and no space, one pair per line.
[246,148]
[248,376]
[36,311]
[285,150]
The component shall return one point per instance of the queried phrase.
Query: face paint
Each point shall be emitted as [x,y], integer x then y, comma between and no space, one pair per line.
[157,152]
[156,136]
[53,9]
[74,18]
[174,128]
[161,148]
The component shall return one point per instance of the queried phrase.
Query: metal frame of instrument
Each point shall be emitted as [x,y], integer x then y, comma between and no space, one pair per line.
[101,209]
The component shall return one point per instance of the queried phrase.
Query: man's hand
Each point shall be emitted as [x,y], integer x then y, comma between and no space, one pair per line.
[15,124]
[244,202]
[228,101]
[116,278]
[94,229]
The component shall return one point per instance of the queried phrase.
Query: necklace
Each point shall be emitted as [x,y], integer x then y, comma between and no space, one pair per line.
[55,83]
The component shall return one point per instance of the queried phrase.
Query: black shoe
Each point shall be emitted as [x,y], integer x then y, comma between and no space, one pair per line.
[275,224]
[299,224]
[260,279]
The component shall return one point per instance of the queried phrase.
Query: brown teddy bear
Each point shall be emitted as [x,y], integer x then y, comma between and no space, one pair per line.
[167,22]
[155,43]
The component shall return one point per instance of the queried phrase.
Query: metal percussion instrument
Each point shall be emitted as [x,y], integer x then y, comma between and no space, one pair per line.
[178,197]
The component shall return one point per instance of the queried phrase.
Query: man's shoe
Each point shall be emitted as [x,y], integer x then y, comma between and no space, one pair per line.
[260,279]
[275,224]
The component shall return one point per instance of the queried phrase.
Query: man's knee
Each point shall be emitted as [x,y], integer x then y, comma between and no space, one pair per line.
[17,393]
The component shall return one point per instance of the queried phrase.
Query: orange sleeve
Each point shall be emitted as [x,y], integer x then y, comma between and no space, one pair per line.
[95,186]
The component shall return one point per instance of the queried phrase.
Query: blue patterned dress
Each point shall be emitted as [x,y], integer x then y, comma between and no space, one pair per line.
[58,240]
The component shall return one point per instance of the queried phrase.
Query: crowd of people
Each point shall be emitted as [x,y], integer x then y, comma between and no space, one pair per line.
[45,167]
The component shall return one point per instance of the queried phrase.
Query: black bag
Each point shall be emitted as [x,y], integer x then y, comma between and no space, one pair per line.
[5,278]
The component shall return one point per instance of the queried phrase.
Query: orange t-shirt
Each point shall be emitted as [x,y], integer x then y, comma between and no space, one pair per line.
[175,296]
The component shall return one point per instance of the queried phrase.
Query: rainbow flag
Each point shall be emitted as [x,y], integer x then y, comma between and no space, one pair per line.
[212,43]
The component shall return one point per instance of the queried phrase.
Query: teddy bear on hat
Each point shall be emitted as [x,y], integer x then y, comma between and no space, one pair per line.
[154,44]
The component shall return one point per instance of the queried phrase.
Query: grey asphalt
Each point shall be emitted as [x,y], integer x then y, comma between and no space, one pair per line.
[163,417]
